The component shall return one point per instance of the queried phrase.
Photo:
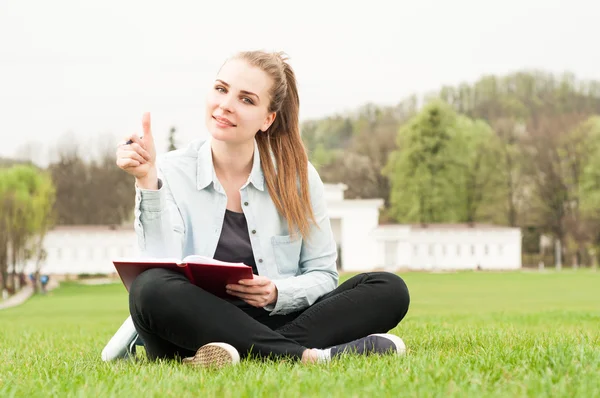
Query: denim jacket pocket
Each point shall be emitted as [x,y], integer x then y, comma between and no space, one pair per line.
[286,252]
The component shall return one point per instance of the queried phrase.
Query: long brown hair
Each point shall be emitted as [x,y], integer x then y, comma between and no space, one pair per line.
[287,179]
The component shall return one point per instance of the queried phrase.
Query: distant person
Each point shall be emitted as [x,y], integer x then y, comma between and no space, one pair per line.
[248,194]
[44,279]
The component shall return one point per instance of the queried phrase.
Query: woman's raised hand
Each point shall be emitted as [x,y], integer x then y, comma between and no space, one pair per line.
[137,156]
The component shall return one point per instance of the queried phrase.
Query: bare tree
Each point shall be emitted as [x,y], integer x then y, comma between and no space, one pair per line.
[553,149]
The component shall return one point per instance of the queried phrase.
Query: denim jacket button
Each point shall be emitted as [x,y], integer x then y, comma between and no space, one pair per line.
[253,231]
[245,203]
[260,260]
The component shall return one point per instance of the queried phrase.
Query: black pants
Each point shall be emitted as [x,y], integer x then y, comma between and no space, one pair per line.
[174,317]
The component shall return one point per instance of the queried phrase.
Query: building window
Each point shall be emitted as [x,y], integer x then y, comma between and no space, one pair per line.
[444,250]
[486,250]
[500,249]
[458,250]
[431,250]
[472,250]
[416,249]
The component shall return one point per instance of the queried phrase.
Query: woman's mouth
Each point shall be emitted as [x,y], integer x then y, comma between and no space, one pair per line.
[223,122]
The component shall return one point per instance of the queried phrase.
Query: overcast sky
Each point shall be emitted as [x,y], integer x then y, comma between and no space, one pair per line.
[90,68]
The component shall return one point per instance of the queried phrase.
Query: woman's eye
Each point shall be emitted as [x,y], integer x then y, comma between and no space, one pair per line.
[220,89]
[248,101]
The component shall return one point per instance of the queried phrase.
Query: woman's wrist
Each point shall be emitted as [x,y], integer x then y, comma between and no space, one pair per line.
[149,181]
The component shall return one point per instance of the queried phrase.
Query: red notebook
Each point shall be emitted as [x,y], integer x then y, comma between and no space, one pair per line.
[207,273]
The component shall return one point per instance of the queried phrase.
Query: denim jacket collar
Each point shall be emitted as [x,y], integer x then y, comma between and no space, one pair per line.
[206,171]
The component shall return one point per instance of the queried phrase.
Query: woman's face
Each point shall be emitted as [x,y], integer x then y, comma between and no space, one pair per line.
[237,105]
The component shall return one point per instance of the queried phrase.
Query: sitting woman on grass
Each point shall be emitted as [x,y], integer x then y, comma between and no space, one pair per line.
[248,194]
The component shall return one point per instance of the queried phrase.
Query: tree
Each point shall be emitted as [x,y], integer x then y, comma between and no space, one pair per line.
[354,148]
[375,139]
[581,153]
[354,170]
[21,188]
[559,148]
[476,153]
[6,200]
[71,178]
[91,192]
[26,200]
[509,133]
[523,95]
[590,182]
[43,219]
[420,170]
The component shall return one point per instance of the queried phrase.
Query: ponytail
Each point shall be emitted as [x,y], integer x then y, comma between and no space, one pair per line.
[287,178]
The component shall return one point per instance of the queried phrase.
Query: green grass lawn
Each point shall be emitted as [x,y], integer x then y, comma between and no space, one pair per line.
[468,334]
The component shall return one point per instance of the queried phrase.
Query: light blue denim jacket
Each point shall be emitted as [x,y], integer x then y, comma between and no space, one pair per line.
[185,215]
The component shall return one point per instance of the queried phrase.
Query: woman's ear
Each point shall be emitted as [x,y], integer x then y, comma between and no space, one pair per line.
[268,121]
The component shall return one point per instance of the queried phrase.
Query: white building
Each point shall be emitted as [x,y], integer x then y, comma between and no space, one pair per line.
[353,222]
[363,244]
[80,250]
[448,247]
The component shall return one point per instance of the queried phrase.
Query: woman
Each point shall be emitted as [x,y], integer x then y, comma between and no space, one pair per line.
[248,194]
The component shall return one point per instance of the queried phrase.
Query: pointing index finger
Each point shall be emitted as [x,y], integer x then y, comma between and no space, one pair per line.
[146,124]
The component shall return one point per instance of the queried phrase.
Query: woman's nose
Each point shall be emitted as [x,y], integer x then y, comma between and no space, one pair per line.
[225,104]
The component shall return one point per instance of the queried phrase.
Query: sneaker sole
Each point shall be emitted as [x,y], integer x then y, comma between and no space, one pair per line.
[214,355]
[400,346]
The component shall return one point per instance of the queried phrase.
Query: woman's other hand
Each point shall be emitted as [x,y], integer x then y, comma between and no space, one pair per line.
[258,292]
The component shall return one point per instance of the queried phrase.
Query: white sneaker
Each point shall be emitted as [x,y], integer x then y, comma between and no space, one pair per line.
[398,342]
[384,343]
[214,355]
[122,344]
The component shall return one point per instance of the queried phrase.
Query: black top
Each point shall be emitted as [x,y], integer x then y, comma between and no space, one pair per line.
[234,243]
